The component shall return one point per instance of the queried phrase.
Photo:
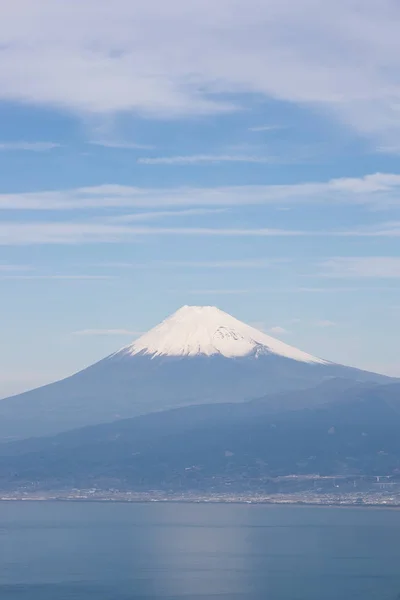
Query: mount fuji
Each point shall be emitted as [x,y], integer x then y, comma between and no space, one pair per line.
[199,355]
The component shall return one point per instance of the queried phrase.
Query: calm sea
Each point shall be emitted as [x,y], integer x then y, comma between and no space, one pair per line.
[65,551]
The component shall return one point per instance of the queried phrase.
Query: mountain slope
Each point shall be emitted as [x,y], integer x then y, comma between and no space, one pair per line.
[213,446]
[208,331]
[198,355]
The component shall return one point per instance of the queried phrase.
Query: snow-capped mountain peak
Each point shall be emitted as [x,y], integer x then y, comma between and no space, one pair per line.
[208,331]
[199,355]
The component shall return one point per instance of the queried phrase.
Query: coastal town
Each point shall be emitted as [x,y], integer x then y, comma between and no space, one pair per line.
[379,497]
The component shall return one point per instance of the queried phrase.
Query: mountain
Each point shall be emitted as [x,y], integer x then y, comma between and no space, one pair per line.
[208,331]
[197,355]
[222,446]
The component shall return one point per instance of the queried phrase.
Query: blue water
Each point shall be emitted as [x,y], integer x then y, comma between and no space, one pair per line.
[65,551]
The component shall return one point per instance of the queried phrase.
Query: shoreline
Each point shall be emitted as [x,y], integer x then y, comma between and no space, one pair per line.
[219,501]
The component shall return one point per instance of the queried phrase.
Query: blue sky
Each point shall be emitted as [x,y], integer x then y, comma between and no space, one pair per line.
[243,155]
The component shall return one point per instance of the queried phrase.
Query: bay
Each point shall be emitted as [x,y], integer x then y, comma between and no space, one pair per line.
[168,551]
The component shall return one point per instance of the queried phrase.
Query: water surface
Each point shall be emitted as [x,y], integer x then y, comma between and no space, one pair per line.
[94,551]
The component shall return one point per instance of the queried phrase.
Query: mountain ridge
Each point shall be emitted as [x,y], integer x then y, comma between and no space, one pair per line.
[344,430]
[127,384]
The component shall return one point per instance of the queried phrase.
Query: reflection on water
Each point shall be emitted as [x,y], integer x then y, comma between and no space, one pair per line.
[65,551]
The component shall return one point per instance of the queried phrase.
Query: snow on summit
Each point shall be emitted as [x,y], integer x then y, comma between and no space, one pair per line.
[206,330]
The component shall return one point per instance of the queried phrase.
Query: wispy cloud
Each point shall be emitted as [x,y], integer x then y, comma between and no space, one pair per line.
[161,214]
[385,267]
[199,71]
[393,149]
[28,146]
[199,264]
[58,277]
[324,323]
[201,159]
[14,268]
[384,229]
[226,264]
[284,291]
[278,330]
[378,190]
[265,128]
[90,332]
[120,145]
[12,233]
[218,292]
[340,289]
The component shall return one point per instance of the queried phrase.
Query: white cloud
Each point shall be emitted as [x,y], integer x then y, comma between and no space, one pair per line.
[363,267]
[90,332]
[277,330]
[200,159]
[13,268]
[265,128]
[201,264]
[336,289]
[393,149]
[378,190]
[119,145]
[289,290]
[28,146]
[217,292]
[226,264]
[58,277]
[12,233]
[21,234]
[323,323]
[179,58]
[149,216]
[385,229]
